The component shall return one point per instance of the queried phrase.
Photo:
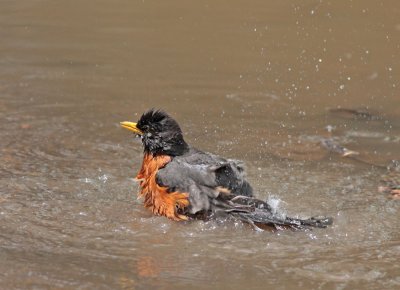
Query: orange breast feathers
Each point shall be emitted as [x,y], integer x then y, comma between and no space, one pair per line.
[156,197]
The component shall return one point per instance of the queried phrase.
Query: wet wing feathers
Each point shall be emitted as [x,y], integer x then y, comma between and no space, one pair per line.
[202,175]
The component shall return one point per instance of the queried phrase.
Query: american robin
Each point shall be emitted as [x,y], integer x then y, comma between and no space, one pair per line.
[181,182]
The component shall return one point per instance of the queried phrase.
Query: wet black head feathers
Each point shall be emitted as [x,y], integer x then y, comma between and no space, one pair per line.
[161,134]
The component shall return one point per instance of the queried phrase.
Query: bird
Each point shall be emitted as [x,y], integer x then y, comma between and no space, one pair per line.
[182,183]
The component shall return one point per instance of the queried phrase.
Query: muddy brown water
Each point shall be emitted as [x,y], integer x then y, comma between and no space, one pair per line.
[248,80]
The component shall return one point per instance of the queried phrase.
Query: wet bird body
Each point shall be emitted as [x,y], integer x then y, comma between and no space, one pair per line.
[182,182]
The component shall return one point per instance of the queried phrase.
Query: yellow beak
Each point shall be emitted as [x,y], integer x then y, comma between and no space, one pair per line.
[131,127]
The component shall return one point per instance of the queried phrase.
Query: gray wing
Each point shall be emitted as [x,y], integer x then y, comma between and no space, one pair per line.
[203,175]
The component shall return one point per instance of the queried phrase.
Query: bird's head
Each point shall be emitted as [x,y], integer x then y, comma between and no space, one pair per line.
[160,133]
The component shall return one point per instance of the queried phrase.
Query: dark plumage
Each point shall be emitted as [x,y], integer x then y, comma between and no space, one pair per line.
[161,134]
[179,181]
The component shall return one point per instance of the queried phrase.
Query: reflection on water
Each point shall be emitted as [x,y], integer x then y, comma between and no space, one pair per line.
[263,82]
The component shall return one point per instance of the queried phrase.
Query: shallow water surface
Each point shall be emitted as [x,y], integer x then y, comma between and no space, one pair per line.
[262,82]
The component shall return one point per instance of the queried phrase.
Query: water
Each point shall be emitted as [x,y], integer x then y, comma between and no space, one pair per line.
[250,81]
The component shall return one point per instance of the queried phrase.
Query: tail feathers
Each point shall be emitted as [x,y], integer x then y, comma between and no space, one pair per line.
[315,222]
[262,221]
[260,215]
